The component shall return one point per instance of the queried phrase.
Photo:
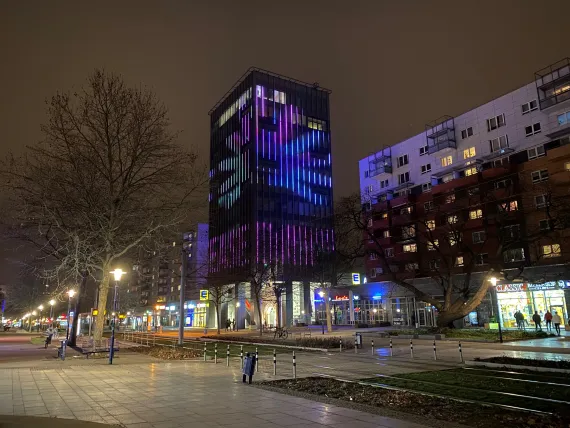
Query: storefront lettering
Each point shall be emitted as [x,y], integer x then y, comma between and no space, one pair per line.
[551,285]
[340,298]
[506,288]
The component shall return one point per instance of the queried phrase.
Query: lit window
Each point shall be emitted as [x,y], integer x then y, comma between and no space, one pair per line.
[389,252]
[426,168]
[431,246]
[496,122]
[449,199]
[567,166]
[561,90]
[509,206]
[430,225]
[384,215]
[538,176]
[407,210]
[499,143]
[470,171]
[446,161]
[528,107]
[452,219]
[475,214]
[536,152]
[459,261]
[410,248]
[386,233]
[408,232]
[563,118]
[479,237]
[319,125]
[532,129]
[469,153]
[551,250]
[454,238]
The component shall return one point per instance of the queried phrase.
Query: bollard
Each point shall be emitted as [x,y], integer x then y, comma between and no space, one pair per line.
[294,366]
[228,356]
[274,363]
[355,344]
[372,346]
[241,355]
[215,353]
[205,349]
[391,351]
[460,352]
[411,349]
[340,350]
[434,351]
[256,360]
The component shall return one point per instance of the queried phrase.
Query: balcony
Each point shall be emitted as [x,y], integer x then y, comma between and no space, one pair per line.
[497,171]
[382,223]
[401,219]
[440,134]
[456,183]
[402,200]
[380,162]
[553,84]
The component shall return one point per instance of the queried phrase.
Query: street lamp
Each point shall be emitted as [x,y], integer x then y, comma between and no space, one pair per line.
[493,281]
[117,274]
[51,303]
[34,313]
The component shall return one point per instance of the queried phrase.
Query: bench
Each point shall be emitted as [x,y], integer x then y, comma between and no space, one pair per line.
[301,331]
[90,347]
[88,352]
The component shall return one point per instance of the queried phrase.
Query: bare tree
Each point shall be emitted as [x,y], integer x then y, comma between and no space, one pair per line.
[260,277]
[218,295]
[108,176]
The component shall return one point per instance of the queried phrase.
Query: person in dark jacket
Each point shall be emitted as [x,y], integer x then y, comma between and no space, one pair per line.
[537,321]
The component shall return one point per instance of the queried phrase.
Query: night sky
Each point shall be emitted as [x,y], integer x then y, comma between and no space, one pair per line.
[392,66]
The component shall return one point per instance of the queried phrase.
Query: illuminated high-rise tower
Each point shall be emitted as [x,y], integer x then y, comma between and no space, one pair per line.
[270,176]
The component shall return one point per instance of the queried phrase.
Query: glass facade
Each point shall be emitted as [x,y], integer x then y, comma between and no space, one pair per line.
[270,176]
[528,298]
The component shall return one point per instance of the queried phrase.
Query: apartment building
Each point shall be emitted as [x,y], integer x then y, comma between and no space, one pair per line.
[491,178]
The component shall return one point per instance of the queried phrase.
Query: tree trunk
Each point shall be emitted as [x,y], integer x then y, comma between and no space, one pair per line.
[445,319]
[218,317]
[80,296]
[328,311]
[102,304]
[279,310]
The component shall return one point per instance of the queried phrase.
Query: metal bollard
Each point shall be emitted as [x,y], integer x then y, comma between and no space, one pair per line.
[205,350]
[460,352]
[256,360]
[434,351]
[274,363]
[294,366]
[215,353]
[355,344]
[340,349]
[241,355]
[228,356]
[411,349]
[391,350]
[372,346]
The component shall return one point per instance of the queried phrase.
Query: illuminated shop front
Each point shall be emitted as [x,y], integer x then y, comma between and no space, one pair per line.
[196,314]
[526,297]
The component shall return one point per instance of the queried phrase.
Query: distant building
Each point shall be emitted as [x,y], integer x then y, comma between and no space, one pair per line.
[157,280]
[270,188]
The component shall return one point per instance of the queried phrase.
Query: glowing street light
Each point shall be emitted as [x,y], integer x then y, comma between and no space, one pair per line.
[70,294]
[51,303]
[41,308]
[117,274]
[493,280]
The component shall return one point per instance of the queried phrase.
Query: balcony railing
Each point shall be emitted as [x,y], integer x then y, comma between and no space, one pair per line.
[442,144]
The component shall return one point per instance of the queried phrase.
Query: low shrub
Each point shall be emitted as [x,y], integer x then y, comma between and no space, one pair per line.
[551,364]
[167,352]
[305,342]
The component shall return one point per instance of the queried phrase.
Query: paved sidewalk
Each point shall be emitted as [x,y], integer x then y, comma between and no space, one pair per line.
[161,395]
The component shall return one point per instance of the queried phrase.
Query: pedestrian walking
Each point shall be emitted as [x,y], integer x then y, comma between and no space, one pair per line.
[537,321]
[548,320]
[233,324]
[556,320]
[228,324]
[518,319]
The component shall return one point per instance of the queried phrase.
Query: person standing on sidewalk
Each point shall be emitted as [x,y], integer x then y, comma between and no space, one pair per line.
[548,320]
[556,320]
[537,320]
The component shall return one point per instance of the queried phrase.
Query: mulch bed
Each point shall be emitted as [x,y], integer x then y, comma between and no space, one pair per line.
[167,352]
[421,405]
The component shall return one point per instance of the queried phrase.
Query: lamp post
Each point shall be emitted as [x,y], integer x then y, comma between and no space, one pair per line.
[322,296]
[41,308]
[493,281]
[117,274]
[70,295]
[51,303]
[34,313]
[238,304]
